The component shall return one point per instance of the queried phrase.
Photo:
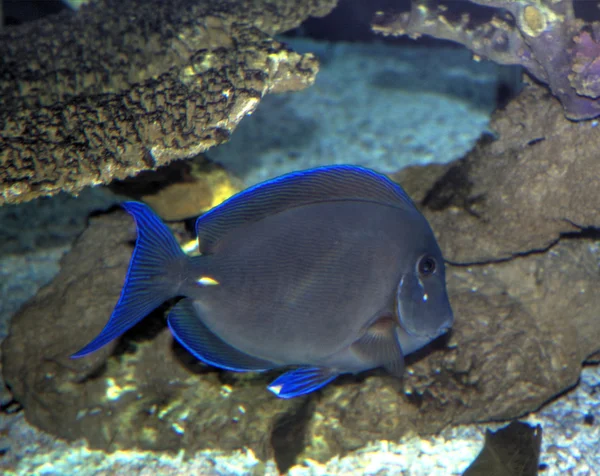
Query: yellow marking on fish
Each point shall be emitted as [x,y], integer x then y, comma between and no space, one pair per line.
[207,281]
[190,247]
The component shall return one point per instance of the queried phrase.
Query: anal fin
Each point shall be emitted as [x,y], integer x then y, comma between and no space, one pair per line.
[380,346]
[187,327]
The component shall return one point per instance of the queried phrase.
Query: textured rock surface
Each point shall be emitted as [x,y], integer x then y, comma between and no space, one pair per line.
[519,193]
[523,327]
[124,86]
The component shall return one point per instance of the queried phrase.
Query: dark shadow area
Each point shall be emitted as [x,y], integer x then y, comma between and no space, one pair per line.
[288,437]
[471,85]
[350,20]
[191,363]
[49,222]
[145,330]
[584,233]
[437,345]
[478,14]
[587,10]
[17,12]
[452,189]
[464,87]
[94,374]
[149,182]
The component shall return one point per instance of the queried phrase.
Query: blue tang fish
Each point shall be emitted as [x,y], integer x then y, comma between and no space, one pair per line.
[331,270]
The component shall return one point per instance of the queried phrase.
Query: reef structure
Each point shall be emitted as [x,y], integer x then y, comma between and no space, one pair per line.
[519,227]
[544,36]
[123,86]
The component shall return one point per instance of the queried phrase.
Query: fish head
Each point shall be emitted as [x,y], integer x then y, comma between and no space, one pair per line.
[422,304]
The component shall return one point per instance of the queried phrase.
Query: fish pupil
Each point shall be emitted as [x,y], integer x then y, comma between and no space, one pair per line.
[427,266]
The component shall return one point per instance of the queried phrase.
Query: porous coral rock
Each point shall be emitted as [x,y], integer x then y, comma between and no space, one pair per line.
[129,85]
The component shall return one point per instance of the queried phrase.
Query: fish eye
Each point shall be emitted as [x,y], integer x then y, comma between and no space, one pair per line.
[427,266]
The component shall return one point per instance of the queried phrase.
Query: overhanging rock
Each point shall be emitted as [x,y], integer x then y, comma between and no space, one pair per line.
[123,86]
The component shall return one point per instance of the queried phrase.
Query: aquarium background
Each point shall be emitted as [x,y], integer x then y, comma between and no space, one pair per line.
[380,102]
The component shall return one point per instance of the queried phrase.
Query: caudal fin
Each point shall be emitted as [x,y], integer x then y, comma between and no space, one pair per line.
[150,279]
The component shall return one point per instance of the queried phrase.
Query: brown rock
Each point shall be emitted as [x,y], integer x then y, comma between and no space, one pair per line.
[523,327]
[511,451]
[521,192]
[120,87]
[525,321]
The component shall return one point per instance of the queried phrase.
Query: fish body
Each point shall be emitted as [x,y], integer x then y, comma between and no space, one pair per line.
[331,270]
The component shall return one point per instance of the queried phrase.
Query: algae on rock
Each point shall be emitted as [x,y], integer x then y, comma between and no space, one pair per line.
[123,86]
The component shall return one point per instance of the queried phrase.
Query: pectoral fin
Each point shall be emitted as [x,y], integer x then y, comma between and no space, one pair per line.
[301,381]
[380,346]
[187,327]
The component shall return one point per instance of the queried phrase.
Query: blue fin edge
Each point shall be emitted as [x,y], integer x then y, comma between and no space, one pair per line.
[147,283]
[186,325]
[301,381]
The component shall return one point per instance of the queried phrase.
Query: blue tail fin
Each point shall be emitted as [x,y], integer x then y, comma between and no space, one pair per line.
[150,279]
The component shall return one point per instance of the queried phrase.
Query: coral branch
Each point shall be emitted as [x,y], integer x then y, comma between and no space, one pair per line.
[544,36]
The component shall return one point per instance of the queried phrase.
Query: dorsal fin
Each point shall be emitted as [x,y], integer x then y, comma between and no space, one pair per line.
[322,184]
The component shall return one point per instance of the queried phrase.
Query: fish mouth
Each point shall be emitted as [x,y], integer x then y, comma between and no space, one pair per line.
[445,329]
[410,342]
[440,331]
[435,335]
